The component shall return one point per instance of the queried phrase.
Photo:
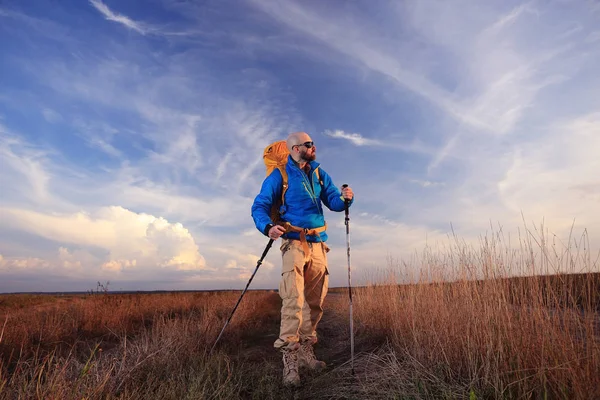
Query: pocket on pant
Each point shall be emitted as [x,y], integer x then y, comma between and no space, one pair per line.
[285,245]
[293,257]
[287,286]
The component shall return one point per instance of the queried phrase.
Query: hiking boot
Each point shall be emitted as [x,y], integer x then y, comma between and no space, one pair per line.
[291,377]
[307,358]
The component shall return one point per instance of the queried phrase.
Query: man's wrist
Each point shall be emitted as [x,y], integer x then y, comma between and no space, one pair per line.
[267,229]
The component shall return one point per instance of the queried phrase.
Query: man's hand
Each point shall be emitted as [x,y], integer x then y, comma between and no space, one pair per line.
[347,193]
[276,231]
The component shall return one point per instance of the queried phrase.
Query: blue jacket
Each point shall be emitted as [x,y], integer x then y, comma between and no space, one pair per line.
[304,199]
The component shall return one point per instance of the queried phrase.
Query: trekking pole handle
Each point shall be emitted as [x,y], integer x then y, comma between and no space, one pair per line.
[346,204]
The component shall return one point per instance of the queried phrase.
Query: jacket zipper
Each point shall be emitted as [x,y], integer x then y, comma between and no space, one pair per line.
[311,192]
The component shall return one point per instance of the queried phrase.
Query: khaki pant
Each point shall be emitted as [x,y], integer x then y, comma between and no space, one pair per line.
[303,286]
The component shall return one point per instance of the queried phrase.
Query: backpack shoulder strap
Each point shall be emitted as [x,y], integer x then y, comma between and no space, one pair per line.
[319,177]
[284,177]
[278,202]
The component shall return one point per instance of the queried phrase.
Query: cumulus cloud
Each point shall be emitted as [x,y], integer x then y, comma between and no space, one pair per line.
[119,265]
[68,260]
[23,263]
[130,239]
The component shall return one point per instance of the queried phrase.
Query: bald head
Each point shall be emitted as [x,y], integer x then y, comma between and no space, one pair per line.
[300,154]
[297,138]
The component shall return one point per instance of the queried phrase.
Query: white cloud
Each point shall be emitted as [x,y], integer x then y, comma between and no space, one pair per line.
[391,58]
[390,143]
[119,265]
[23,263]
[556,173]
[68,259]
[199,138]
[222,168]
[360,45]
[24,167]
[508,19]
[122,19]
[98,135]
[149,242]
[355,138]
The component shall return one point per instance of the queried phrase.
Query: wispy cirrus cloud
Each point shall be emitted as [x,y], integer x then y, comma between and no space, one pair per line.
[363,47]
[354,138]
[144,28]
[139,27]
[24,167]
[388,143]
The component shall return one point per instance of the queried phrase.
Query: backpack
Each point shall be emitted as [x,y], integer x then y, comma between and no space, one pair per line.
[275,156]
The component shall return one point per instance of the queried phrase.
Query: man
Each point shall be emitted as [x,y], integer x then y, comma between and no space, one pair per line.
[304,278]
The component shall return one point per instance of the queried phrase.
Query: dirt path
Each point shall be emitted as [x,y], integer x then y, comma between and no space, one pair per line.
[258,353]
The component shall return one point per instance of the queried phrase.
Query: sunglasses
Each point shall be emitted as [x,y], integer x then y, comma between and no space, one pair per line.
[308,145]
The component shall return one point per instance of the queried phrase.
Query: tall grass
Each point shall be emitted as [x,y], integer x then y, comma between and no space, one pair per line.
[502,328]
[127,346]
[499,320]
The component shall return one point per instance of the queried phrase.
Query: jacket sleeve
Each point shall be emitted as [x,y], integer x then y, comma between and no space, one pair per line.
[261,208]
[331,196]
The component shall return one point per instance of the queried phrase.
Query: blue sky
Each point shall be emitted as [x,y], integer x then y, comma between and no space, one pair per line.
[131,133]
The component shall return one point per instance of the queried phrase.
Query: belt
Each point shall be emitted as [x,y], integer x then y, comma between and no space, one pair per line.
[304,232]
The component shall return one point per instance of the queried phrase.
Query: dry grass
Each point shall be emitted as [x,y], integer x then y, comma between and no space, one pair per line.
[483,335]
[476,323]
[127,346]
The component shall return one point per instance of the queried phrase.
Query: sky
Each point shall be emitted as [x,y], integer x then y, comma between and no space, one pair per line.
[131,133]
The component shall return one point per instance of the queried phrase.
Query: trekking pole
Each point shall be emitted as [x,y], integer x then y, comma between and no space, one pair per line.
[347,222]
[245,289]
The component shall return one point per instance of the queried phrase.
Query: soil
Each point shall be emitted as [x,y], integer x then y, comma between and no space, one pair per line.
[257,353]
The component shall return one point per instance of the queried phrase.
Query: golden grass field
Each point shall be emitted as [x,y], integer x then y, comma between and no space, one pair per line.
[481,336]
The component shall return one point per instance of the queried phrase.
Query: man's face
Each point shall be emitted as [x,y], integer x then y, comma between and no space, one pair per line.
[307,154]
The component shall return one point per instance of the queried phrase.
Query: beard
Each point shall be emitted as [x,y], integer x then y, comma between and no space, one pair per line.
[308,157]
